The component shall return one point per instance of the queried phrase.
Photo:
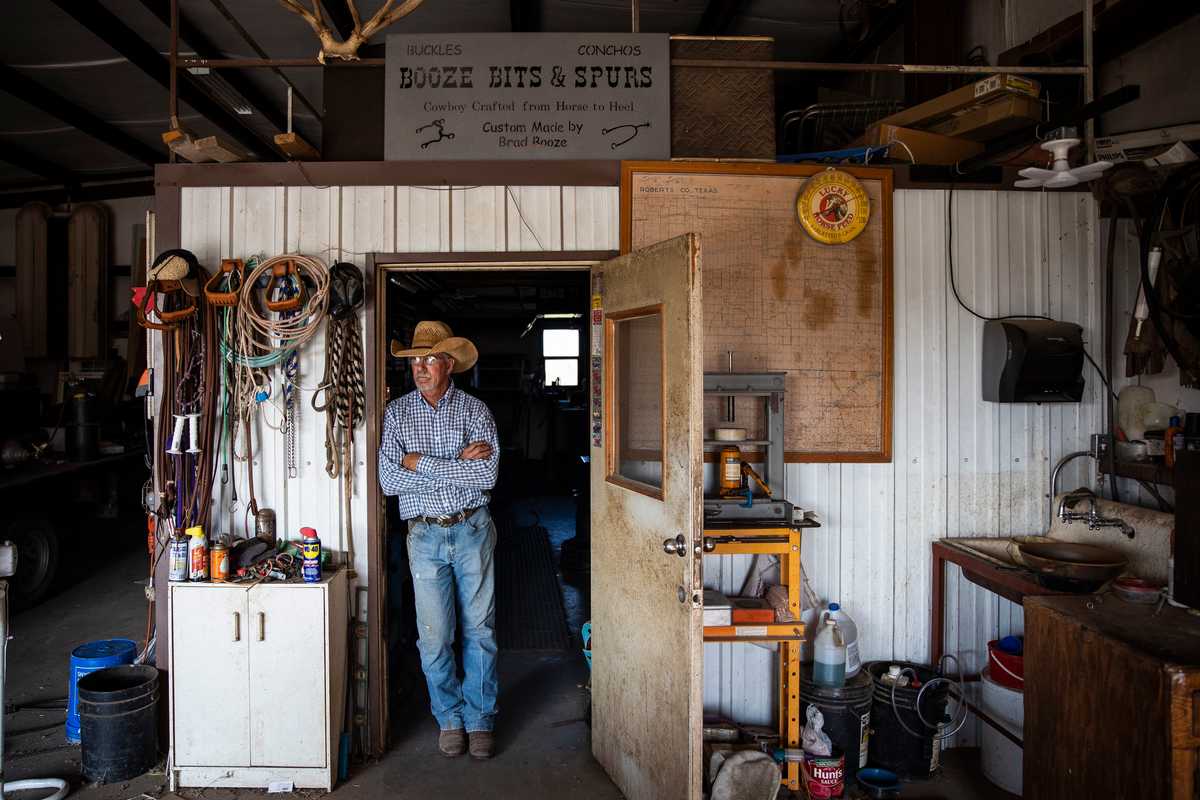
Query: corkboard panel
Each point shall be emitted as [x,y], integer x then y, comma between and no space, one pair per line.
[780,300]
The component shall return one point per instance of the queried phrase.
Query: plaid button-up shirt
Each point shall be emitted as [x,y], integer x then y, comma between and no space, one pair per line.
[442,484]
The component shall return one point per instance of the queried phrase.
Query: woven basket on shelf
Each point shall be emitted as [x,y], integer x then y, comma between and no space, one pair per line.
[722,113]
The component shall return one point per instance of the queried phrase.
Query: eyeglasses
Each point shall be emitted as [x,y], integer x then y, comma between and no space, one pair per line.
[428,360]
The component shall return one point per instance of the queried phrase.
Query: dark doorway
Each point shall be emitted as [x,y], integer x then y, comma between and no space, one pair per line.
[531,329]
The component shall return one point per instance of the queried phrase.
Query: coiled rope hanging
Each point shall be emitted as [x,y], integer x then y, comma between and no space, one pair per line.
[345,395]
[342,394]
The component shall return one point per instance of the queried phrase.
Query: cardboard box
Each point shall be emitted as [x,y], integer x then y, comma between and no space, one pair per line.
[924,147]
[717,609]
[938,109]
[989,120]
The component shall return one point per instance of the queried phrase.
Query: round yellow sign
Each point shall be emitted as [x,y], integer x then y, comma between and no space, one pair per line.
[833,207]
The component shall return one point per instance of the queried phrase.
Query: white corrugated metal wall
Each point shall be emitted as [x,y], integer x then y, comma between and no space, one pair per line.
[960,467]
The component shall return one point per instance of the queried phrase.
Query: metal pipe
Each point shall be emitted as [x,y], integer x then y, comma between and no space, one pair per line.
[1089,80]
[833,66]
[791,66]
[273,63]
[1062,462]
[635,12]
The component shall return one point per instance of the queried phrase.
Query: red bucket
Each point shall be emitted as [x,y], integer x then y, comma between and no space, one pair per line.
[1006,669]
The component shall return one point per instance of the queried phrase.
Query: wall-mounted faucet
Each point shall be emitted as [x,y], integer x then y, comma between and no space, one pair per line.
[1091,516]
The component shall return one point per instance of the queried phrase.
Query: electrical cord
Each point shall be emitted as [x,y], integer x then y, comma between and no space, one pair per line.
[976,314]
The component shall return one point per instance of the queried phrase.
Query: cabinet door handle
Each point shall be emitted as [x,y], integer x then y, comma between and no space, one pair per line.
[262,626]
[237,626]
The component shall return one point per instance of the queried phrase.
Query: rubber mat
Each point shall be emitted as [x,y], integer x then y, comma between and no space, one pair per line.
[529,605]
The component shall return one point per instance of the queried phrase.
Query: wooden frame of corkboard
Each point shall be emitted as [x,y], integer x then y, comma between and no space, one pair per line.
[881,212]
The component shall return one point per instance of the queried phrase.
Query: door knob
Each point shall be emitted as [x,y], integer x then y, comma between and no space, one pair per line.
[676,546]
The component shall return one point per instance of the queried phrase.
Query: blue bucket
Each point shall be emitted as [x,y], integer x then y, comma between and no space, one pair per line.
[88,658]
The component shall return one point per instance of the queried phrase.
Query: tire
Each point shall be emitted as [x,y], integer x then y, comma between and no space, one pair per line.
[38,550]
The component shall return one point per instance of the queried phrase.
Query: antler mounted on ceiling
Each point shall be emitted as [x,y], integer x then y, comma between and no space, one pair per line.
[348,50]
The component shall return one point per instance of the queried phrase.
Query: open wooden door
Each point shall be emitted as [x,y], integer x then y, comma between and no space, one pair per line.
[646,473]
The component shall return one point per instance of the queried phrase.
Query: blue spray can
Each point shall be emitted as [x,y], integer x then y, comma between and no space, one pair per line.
[310,547]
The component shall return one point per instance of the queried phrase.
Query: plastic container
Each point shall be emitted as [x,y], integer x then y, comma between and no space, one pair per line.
[86,659]
[118,714]
[1157,416]
[847,713]
[911,752]
[1000,758]
[849,631]
[1008,669]
[829,656]
[1129,410]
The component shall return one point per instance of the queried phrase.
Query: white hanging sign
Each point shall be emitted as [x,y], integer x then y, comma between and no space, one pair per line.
[487,96]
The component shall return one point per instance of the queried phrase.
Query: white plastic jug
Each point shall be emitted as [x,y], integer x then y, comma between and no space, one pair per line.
[829,656]
[849,633]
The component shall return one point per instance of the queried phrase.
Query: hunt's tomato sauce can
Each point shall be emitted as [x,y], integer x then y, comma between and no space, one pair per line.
[825,775]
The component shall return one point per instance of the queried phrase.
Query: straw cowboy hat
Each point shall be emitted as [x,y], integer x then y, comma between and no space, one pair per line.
[436,337]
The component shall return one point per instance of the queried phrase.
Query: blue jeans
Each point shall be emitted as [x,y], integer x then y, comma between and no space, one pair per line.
[452,567]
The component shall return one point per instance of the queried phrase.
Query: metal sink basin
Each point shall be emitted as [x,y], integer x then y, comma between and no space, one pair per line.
[999,552]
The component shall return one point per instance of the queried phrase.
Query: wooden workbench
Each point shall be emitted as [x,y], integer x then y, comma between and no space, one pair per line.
[1112,699]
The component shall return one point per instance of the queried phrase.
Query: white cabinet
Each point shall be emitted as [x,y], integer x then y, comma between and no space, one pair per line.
[258,681]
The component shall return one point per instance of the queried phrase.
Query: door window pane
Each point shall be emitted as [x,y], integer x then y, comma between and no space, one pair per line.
[560,343]
[562,372]
[636,417]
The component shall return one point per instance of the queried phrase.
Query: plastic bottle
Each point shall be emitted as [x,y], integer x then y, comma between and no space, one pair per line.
[829,656]
[197,554]
[849,633]
[1172,441]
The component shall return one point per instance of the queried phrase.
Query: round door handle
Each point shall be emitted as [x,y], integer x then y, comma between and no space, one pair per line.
[676,546]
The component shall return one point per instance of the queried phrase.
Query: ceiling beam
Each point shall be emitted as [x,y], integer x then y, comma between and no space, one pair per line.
[31,92]
[1120,26]
[78,194]
[31,162]
[718,17]
[339,14]
[116,34]
[196,40]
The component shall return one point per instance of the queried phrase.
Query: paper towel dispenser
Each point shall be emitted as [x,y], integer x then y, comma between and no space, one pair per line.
[1032,361]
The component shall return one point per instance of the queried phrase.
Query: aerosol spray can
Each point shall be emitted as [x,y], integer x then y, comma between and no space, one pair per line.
[179,558]
[310,546]
[197,554]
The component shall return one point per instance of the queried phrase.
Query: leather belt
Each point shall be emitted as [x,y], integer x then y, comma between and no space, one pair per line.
[449,519]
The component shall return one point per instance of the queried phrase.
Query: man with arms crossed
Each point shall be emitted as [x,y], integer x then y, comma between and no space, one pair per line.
[439,455]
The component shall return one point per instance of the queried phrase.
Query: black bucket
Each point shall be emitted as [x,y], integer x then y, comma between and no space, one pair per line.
[847,712]
[118,723]
[892,747]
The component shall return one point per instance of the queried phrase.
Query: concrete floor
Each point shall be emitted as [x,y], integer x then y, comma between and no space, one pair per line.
[543,747]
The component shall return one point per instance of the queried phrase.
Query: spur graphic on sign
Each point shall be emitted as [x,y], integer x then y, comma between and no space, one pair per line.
[528,96]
